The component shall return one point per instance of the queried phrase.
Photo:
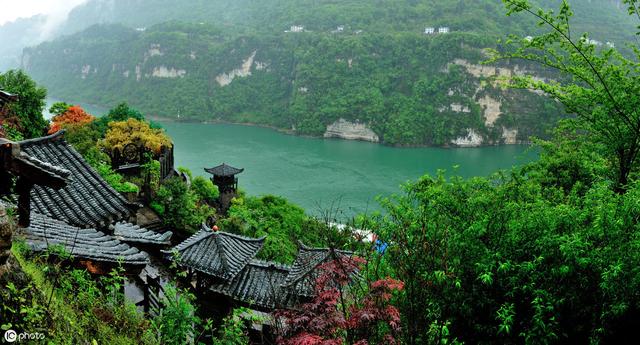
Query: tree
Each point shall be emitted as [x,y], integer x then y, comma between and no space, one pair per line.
[600,86]
[121,133]
[30,104]
[338,314]
[122,112]
[73,116]
[59,108]
[180,207]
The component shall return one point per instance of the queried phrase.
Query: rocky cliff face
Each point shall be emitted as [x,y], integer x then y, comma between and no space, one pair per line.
[344,129]
[472,139]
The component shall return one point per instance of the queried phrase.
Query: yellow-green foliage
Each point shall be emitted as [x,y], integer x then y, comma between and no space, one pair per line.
[121,133]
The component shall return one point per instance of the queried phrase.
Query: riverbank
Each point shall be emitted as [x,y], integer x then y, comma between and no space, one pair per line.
[163,119]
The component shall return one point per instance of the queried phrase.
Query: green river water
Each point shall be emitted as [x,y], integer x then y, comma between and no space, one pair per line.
[319,174]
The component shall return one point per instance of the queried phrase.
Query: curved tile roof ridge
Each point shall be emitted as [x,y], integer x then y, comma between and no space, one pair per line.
[54,169]
[269,263]
[129,232]
[206,232]
[190,241]
[219,254]
[55,136]
[90,244]
[307,260]
[224,170]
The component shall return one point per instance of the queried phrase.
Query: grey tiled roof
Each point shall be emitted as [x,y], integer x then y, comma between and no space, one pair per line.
[83,243]
[88,201]
[219,254]
[223,170]
[257,285]
[132,233]
[52,170]
[303,273]
[267,285]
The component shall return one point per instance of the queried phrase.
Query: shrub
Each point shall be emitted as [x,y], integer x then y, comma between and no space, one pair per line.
[180,206]
[134,131]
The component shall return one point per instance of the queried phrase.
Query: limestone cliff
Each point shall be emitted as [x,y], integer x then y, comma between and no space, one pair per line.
[344,129]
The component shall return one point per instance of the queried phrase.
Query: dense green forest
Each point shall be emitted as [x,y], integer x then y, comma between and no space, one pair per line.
[234,62]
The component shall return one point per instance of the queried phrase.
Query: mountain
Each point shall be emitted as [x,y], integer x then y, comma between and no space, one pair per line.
[17,35]
[357,69]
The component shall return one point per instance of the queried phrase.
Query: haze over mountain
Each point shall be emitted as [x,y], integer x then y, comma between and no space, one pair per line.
[358,69]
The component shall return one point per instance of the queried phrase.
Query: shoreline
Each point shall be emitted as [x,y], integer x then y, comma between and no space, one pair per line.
[290,132]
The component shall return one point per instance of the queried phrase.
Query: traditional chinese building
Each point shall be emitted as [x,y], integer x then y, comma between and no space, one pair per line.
[221,264]
[224,177]
[63,201]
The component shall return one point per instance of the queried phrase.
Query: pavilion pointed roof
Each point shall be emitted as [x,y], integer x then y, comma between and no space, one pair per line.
[219,254]
[223,170]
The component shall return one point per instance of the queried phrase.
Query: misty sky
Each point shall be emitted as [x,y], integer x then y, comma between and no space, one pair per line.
[14,9]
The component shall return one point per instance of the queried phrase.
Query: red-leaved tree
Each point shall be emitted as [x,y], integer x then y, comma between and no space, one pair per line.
[339,313]
[74,116]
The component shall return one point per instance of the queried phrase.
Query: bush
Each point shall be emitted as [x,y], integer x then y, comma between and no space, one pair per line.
[176,320]
[180,207]
[205,189]
[116,180]
[282,222]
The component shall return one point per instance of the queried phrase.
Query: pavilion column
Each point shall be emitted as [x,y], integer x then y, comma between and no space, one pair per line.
[23,188]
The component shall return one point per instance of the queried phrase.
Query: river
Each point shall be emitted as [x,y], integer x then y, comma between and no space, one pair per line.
[322,174]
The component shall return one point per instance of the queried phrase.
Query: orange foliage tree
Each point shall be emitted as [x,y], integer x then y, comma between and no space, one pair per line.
[121,133]
[74,116]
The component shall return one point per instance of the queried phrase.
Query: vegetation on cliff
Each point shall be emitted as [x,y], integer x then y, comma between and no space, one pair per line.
[410,88]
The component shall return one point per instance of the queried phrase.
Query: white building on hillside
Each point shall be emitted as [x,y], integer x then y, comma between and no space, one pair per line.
[443,30]
[297,28]
[429,31]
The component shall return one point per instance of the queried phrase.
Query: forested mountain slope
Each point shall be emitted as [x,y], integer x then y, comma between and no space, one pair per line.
[380,78]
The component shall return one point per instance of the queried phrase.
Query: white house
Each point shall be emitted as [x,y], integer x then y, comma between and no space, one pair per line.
[443,30]
[429,31]
[297,28]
